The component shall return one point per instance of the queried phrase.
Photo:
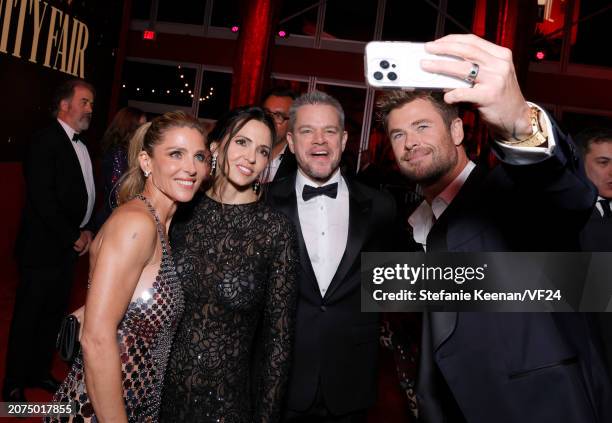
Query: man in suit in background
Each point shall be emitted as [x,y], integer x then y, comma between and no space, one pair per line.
[277,102]
[333,374]
[596,147]
[496,367]
[60,196]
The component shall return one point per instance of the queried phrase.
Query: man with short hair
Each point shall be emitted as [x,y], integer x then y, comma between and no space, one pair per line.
[496,367]
[333,374]
[596,147]
[60,196]
[277,102]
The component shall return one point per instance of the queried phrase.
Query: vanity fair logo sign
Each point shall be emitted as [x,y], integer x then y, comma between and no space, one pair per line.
[38,32]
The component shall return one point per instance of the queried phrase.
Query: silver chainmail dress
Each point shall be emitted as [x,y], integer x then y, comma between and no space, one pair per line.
[145,338]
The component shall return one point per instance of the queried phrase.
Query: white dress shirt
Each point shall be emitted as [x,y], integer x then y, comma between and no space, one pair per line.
[598,205]
[422,219]
[324,225]
[86,169]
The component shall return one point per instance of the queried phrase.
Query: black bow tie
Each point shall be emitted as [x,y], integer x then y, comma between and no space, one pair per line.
[77,137]
[330,190]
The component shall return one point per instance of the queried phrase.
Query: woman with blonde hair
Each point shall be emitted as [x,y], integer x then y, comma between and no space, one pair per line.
[135,300]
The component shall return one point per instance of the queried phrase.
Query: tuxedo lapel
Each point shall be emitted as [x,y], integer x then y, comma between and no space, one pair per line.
[72,160]
[360,208]
[286,201]
[443,323]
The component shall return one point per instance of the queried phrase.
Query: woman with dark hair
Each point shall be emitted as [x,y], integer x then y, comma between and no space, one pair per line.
[114,157]
[135,300]
[235,257]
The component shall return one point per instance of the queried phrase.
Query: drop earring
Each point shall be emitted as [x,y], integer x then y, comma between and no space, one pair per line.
[256,186]
[146,173]
[213,165]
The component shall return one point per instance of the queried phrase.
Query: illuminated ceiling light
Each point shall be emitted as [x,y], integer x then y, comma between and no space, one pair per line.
[191,95]
[540,55]
[137,89]
[186,84]
[282,33]
[235,28]
[123,85]
[167,91]
[152,91]
[182,76]
[181,91]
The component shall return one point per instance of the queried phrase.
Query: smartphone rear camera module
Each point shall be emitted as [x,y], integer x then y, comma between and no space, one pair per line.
[392,76]
[378,76]
[384,64]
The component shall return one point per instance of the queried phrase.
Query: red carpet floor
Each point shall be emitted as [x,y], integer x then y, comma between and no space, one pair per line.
[8,284]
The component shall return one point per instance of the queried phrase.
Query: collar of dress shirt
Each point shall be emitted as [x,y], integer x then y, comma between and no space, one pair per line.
[67,128]
[598,204]
[421,220]
[302,180]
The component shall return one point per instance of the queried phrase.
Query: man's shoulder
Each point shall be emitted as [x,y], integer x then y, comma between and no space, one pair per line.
[51,132]
[281,186]
[367,192]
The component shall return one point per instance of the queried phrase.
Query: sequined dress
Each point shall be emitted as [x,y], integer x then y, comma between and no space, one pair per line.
[145,338]
[237,266]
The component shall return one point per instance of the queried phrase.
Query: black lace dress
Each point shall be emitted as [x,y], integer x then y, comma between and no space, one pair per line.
[231,353]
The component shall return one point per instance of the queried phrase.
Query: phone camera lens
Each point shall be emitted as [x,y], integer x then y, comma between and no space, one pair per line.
[392,76]
[384,64]
[378,76]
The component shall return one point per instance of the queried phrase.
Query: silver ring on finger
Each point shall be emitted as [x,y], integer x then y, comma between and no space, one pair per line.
[472,74]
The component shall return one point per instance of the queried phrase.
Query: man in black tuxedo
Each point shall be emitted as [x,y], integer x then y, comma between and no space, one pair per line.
[277,102]
[333,375]
[496,367]
[60,196]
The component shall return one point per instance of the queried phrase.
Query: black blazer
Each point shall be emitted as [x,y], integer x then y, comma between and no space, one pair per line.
[336,346]
[56,198]
[521,367]
[597,233]
[287,167]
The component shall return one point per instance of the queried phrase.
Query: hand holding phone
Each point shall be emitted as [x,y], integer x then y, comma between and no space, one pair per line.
[394,64]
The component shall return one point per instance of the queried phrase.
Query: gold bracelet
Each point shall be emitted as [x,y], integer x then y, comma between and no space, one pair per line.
[537,137]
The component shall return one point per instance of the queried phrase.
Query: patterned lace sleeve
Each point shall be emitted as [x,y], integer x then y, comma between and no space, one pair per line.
[278,325]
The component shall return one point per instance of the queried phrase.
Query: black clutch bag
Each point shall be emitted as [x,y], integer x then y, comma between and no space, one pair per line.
[67,344]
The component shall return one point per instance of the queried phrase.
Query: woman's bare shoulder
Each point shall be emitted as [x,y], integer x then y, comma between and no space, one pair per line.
[130,224]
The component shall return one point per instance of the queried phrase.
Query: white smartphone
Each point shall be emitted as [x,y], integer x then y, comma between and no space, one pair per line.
[395,64]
